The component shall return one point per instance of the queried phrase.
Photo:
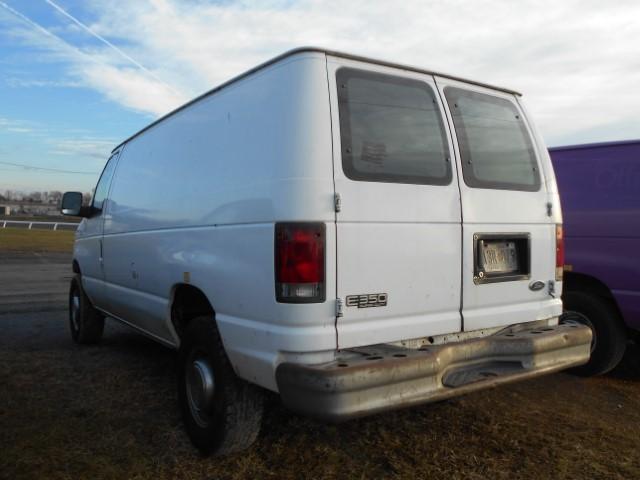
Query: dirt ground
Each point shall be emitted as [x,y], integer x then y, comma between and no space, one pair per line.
[34,281]
[21,240]
[110,411]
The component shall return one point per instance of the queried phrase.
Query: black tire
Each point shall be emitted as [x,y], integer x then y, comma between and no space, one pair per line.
[85,322]
[609,333]
[631,360]
[222,413]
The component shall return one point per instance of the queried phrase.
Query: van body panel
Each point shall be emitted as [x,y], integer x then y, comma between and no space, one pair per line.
[86,251]
[599,187]
[486,305]
[197,195]
[88,247]
[298,52]
[496,210]
[255,151]
[397,239]
[254,154]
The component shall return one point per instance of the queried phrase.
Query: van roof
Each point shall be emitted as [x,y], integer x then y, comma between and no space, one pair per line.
[319,50]
[594,145]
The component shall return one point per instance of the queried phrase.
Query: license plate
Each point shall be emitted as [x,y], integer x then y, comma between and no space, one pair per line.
[499,257]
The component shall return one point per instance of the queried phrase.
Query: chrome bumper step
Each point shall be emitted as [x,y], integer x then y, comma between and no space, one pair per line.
[383,377]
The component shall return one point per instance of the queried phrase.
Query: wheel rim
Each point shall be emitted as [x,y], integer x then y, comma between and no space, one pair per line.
[74,311]
[571,316]
[200,387]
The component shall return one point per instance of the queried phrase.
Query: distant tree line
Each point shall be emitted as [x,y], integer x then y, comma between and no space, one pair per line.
[52,197]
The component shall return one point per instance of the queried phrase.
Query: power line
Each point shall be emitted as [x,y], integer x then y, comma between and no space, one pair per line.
[46,169]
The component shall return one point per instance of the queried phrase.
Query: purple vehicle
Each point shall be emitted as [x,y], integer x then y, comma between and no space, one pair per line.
[599,187]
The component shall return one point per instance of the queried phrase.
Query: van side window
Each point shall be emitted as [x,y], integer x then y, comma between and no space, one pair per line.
[102,187]
[495,148]
[391,129]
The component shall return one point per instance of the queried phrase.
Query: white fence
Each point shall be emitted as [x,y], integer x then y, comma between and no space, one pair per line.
[39,225]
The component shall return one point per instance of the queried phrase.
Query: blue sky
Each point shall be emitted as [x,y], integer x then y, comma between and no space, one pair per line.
[77,77]
[47,117]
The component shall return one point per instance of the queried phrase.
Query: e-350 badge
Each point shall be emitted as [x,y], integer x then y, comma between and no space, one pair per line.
[367,300]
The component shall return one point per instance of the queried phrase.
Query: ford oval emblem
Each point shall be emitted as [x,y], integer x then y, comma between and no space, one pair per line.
[535,286]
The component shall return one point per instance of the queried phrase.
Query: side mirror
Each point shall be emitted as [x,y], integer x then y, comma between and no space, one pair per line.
[72,205]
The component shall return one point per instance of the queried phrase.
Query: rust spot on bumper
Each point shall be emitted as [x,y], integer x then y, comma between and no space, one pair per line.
[384,377]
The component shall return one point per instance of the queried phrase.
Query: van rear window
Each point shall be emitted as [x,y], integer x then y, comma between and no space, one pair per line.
[391,129]
[495,148]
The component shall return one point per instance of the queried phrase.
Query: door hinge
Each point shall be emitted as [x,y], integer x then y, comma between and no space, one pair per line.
[549,209]
[338,307]
[337,202]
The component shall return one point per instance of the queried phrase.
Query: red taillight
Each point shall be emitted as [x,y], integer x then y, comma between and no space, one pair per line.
[299,262]
[559,252]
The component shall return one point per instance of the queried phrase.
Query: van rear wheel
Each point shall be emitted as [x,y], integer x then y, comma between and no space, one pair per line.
[222,413]
[609,334]
[85,322]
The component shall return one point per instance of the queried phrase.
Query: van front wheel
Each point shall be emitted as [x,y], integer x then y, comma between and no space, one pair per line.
[609,335]
[222,413]
[85,322]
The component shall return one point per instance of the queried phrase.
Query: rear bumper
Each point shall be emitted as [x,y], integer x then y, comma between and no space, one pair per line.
[384,377]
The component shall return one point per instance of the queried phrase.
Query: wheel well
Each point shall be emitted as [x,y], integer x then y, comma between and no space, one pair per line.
[580,281]
[188,303]
[588,284]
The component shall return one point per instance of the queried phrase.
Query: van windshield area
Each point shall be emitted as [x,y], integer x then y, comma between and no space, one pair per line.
[103,184]
[495,147]
[391,129]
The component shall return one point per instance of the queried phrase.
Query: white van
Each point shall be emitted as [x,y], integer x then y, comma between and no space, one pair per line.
[353,234]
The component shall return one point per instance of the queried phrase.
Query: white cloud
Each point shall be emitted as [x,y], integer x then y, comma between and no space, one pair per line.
[131,88]
[16,126]
[61,141]
[577,62]
[100,69]
[96,148]
[18,82]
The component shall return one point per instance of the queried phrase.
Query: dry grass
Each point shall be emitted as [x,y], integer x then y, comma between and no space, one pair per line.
[111,412]
[24,240]
[41,218]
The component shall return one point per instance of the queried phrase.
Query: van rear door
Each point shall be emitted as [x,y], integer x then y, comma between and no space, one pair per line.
[398,226]
[508,233]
